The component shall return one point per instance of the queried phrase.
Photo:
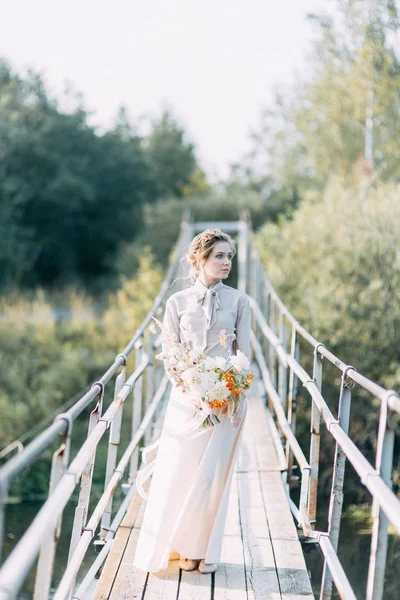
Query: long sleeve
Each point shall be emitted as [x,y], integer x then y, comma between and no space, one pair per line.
[243,325]
[171,325]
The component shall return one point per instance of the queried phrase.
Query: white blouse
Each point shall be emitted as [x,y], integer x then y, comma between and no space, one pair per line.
[199,314]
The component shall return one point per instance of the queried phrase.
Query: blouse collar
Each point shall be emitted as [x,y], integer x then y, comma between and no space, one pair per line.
[199,285]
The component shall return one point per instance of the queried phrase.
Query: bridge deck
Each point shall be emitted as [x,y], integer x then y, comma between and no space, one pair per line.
[261,554]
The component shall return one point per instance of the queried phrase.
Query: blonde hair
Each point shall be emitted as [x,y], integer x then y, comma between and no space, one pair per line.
[201,247]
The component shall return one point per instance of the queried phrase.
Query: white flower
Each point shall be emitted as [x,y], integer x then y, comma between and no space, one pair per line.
[240,361]
[195,353]
[220,362]
[208,380]
[210,362]
[190,376]
[220,391]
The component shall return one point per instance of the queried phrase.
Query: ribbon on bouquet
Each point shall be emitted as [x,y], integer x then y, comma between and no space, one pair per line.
[147,470]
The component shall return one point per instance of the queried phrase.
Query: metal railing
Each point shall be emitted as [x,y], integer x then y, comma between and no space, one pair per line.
[147,384]
[280,373]
[273,325]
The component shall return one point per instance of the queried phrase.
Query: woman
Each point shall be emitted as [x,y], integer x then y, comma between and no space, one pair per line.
[188,497]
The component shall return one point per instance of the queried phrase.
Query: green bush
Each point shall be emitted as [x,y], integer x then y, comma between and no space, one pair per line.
[336,265]
[45,361]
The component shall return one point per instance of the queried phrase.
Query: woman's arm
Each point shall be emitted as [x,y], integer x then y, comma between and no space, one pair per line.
[170,324]
[243,325]
[171,327]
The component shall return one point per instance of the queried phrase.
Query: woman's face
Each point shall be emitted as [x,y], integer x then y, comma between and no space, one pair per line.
[219,263]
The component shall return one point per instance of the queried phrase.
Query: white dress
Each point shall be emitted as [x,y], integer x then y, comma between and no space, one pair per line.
[188,496]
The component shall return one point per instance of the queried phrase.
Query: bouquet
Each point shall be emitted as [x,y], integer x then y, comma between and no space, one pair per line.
[213,382]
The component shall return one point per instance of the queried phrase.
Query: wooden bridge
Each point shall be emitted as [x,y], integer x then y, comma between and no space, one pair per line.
[262,554]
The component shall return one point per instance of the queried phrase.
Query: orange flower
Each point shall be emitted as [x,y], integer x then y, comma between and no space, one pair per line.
[218,403]
[249,378]
[227,376]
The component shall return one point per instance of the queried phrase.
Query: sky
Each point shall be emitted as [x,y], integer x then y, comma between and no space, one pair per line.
[214,63]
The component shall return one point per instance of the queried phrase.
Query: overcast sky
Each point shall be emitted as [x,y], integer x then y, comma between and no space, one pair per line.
[214,62]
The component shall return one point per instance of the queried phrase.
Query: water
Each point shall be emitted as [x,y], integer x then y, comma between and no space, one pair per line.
[18,518]
[354,547]
[354,552]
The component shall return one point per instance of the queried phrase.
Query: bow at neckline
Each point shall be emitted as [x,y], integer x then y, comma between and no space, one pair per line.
[208,298]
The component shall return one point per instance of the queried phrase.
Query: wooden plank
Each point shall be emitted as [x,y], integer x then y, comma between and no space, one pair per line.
[261,576]
[116,555]
[247,454]
[132,513]
[292,572]
[257,451]
[164,584]
[229,579]
[130,582]
[279,516]
[107,577]
[265,448]
[195,586]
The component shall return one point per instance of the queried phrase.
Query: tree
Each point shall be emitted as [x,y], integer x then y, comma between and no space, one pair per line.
[344,118]
[172,160]
[73,194]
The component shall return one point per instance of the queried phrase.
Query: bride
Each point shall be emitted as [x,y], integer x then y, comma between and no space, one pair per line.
[189,492]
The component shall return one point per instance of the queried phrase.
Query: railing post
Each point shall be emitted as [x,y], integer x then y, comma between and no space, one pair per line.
[379,541]
[136,410]
[336,499]
[149,380]
[253,289]
[267,308]
[3,500]
[260,297]
[242,257]
[113,444]
[271,349]
[282,368]
[315,440]
[45,566]
[292,403]
[82,508]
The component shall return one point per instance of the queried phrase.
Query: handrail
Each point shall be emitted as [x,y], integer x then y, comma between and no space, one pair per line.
[37,446]
[271,320]
[43,532]
[280,371]
[366,383]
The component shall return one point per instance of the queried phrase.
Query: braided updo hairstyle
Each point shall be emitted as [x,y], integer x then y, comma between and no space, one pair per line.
[201,247]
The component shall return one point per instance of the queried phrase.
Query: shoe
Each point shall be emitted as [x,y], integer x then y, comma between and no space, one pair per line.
[188,564]
[207,568]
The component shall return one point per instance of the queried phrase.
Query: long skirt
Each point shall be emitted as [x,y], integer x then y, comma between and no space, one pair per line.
[189,492]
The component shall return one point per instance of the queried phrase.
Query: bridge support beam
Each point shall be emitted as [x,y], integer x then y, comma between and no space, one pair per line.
[315,440]
[379,541]
[336,500]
